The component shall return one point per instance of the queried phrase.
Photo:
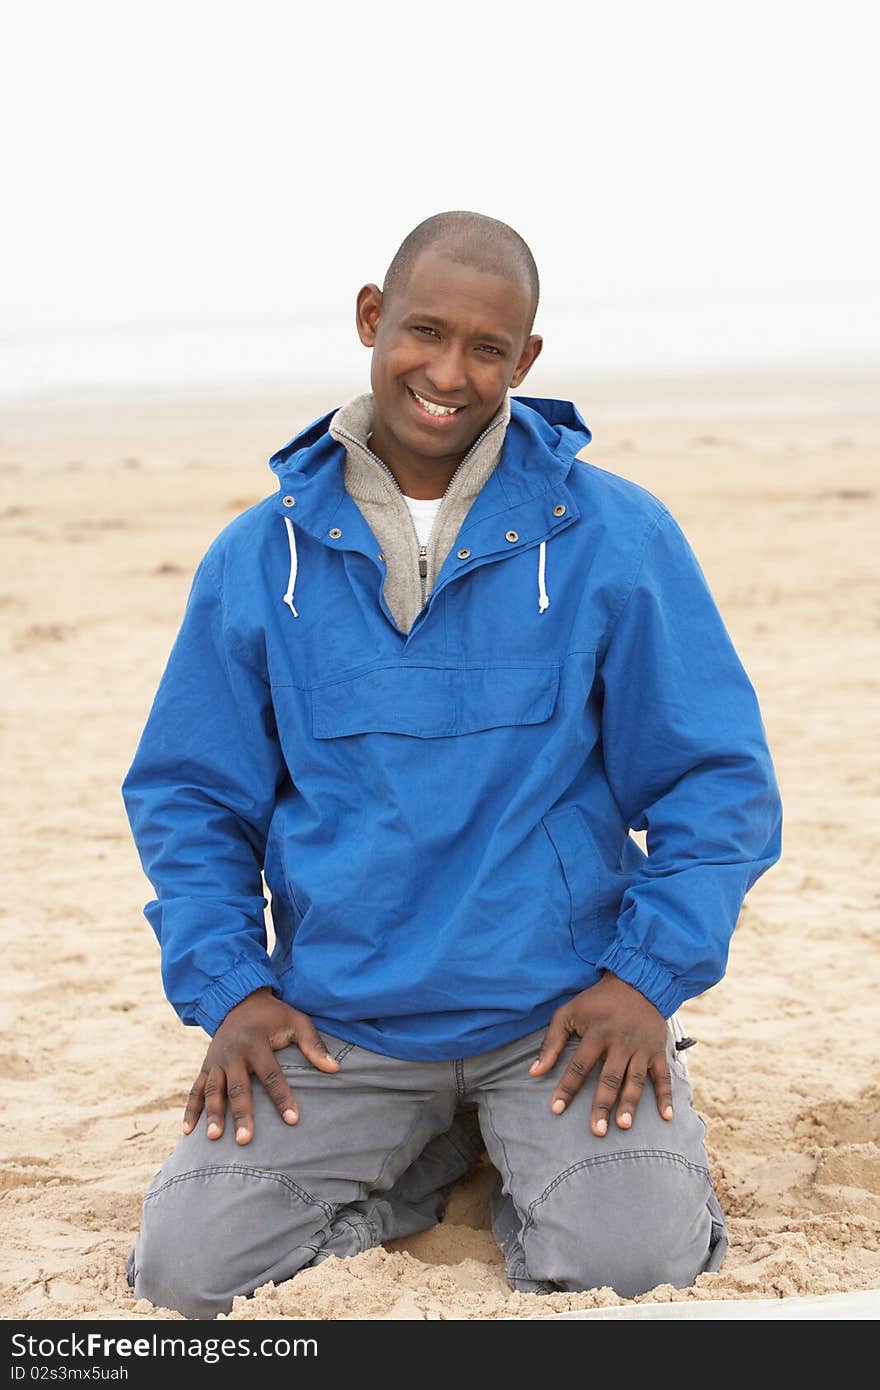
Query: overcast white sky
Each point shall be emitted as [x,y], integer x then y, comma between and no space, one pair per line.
[194,192]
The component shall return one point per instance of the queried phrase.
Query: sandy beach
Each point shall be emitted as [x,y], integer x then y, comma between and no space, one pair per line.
[107,506]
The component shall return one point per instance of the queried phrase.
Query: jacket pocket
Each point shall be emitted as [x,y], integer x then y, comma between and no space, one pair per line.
[433,701]
[594,890]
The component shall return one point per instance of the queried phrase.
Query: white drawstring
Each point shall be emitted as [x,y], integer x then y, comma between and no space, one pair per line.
[543,600]
[291,538]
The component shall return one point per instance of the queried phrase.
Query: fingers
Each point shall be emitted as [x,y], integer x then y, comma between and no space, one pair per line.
[244,1047]
[582,1061]
[275,1084]
[241,1103]
[607,1089]
[241,1097]
[621,1082]
[662,1078]
[631,1093]
[215,1102]
[622,1028]
[552,1043]
[312,1046]
[195,1103]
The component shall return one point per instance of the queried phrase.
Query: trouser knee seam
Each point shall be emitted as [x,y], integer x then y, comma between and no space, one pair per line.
[508,1174]
[621,1154]
[241,1170]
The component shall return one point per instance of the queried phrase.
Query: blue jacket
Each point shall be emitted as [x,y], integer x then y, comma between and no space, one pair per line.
[443,815]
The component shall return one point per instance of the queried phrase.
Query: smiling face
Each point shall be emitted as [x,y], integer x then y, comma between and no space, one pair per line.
[447,346]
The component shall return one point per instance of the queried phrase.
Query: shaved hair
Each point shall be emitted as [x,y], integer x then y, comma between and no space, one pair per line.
[472,239]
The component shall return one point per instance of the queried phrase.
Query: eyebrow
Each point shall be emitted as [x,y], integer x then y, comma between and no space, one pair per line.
[499,339]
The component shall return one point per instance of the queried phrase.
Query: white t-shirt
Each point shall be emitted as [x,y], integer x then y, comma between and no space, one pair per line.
[423,511]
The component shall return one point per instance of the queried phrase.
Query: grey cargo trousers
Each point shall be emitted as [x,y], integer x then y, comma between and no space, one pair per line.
[376,1151]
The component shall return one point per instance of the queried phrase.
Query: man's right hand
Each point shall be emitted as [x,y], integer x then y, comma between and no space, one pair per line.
[245,1043]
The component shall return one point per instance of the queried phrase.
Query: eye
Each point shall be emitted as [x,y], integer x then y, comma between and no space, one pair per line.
[489,347]
[422,328]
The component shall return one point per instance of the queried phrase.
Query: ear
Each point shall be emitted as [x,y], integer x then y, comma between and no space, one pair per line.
[368,311]
[531,350]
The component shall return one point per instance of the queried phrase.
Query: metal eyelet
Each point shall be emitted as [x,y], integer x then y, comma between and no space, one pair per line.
[463,554]
[559,510]
[289,501]
[334,533]
[511,535]
[380,555]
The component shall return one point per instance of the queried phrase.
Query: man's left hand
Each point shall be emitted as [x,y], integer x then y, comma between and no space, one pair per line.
[614,1021]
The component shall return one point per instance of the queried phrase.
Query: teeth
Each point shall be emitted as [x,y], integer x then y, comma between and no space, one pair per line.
[433,409]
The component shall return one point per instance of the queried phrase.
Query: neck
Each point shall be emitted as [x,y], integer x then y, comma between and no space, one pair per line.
[422,478]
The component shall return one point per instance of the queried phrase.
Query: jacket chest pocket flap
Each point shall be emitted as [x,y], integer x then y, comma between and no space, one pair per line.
[433,701]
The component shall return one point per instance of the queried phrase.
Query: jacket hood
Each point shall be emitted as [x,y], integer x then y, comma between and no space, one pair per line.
[557,426]
[541,442]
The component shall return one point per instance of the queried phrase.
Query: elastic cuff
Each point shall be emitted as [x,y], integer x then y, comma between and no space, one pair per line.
[234,986]
[654,981]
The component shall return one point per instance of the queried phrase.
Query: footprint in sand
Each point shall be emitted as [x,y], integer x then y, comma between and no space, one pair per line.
[14,1066]
[713,441]
[15,1175]
[39,634]
[116,1210]
[837,1122]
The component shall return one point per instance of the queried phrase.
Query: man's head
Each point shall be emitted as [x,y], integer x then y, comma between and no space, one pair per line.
[453,325]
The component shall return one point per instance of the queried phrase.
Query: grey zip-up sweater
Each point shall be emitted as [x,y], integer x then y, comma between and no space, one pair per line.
[411,570]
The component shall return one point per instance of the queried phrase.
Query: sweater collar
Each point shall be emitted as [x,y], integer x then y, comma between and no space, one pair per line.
[369,479]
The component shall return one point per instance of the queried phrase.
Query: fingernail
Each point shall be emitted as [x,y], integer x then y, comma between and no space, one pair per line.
[535,1064]
[557,1107]
[601,1126]
[241,1134]
[290,1117]
[667,1113]
[186,1126]
[624,1120]
[213,1127]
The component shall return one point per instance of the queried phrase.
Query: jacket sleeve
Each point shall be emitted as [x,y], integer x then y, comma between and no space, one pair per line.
[199,797]
[687,759]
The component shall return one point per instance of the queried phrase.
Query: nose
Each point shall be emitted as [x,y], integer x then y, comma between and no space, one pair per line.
[445,369]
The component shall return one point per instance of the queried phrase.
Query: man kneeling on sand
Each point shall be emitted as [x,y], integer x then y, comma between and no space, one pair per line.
[427,689]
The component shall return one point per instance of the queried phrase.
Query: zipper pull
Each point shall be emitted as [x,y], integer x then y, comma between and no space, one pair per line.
[423,571]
